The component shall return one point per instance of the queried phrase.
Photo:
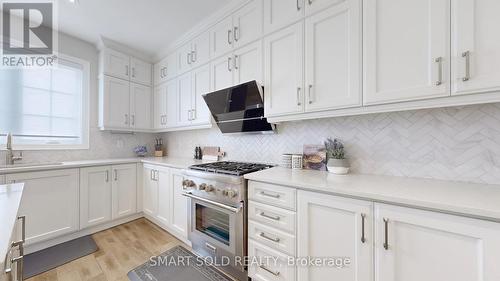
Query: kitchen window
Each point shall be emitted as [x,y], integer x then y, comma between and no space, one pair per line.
[46,108]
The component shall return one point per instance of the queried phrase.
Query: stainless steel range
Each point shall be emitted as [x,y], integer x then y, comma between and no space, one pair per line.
[218,224]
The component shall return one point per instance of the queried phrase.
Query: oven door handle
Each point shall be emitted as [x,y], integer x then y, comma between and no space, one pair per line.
[220,205]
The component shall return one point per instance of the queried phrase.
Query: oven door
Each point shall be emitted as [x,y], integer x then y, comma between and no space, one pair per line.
[217,230]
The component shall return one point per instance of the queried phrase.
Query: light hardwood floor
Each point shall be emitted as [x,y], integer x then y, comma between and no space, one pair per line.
[121,249]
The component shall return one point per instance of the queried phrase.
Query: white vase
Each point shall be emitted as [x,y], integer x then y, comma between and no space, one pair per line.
[338,166]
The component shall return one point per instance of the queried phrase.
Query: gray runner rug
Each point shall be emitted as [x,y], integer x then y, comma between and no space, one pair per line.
[50,258]
[185,271]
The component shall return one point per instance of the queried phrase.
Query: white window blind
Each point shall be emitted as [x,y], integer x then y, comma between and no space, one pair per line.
[44,107]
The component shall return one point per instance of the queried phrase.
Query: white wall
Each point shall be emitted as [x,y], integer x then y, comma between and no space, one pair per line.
[102,144]
[449,143]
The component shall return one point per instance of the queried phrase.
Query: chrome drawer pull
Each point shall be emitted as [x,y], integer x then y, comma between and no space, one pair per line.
[439,61]
[363,239]
[466,55]
[276,218]
[277,273]
[263,235]
[386,228]
[211,248]
[263,193]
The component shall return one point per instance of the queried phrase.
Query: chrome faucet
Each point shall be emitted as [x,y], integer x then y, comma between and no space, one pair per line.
[10,158]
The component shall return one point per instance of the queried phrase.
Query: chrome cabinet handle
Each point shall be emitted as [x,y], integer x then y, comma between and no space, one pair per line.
[298,96]
[363,239]
[263,193]
[194,56]
[116,174]
[188,58]
[157,175]
[236,34]
[236,62]
[229,64]
[193,114]
[275,218]
[126,119]
[133,119]
[151,176]
[189,115]
[107,176]
[211,247]
[126,70]
[310,96]
[133,72]
[386,238]
[229,37]
[466,55]
[277,273]
[263,235]
[439,61]
[310,2]
[298,5]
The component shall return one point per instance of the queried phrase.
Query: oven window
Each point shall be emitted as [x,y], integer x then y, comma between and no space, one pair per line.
[213,223]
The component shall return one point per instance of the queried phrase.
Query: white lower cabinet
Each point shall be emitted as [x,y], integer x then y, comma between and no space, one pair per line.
[419,245]
[269,264]
[124,190]
[95,196]
[50,203]
[163,201]
[335,227]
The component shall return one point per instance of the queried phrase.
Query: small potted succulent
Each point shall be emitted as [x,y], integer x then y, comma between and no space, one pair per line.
[337,163]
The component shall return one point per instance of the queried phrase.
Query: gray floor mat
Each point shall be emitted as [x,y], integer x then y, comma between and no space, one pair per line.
[50,258]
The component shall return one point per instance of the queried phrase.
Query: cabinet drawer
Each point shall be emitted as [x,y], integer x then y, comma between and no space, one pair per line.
[272,216]
[272,237]
[263,266]
[272,194]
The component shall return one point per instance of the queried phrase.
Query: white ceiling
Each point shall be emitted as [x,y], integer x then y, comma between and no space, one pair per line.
[148,26]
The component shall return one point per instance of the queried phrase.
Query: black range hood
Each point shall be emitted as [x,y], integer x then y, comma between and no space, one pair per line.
[239,109]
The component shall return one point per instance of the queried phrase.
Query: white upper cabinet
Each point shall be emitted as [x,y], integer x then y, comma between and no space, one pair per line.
[160,106]
[140,72]
[284,71]
[95,196]
[247,23]
[406,50]
[166,69]
[248,63]
[279,13]
[124,190]
[200,50]
[115,64]
[171,96]
[476,46]
[221,38]
[200,86]
[420,245]
[184,85]
[334,226]
[333,42]
[184,58]
[140,106]
[222,73]
[313,6]
[115,103]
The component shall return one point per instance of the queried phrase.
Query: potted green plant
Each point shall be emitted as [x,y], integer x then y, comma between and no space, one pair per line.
[337,163]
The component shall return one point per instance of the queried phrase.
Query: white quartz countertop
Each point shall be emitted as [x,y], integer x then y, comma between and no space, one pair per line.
[10,199]
[467,199]
[180,163]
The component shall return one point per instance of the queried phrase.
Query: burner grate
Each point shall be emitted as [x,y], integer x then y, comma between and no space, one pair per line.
[230,168]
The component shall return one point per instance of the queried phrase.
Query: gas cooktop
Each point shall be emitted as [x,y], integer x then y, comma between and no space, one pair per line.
[230,168]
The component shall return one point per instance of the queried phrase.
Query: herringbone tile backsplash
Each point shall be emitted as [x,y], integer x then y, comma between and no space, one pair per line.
[458,143]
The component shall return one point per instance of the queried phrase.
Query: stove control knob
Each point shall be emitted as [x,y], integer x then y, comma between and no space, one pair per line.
[203,186]
[210,188]
[188,184]
[231,193]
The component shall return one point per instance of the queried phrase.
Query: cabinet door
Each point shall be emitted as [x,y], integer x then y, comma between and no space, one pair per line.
[201,85]
[150,191]
[159,71]
[406,50]
[248,63]
[124,190]
[160,106]
[333,57]
[140,72]
[279,13]
[335,227]
[95,196]
[184,98]
[184,58]
[222,73]
[164,197]
[116,103]
[172,104]
[476,46]
[423,245]
[115,64]
[179,204]
[221,38]
[247,23]
[201,49]
[283,71]
[50,203]
[140,106]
